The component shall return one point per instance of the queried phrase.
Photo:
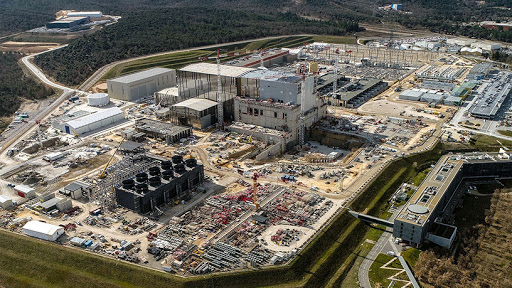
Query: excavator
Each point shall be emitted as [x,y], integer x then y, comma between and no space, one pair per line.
[102,174]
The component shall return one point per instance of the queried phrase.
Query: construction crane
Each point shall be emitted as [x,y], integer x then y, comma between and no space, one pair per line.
[302,124]
[220,101]
[102,174]
[335,83]
[255,191]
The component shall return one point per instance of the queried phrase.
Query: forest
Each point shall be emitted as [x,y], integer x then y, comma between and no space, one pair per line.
[155,31]
[16,86]
[483,257]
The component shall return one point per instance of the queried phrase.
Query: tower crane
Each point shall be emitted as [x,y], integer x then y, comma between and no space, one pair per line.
[220,101]
[255,191]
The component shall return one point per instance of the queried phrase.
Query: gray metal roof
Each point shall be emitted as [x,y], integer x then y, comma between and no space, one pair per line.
[367,84]
[197,104]
[141,75]
[130,146]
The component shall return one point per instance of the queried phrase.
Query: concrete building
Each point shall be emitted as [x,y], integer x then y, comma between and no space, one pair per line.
[167,132]
[424,216]
[135,86]
[479,71]
[356,92]
[43,230]
[94,121]
[411,95]
[160,185]
[68,23]
[281,117]
[491,95]
[196,112]
[77,189]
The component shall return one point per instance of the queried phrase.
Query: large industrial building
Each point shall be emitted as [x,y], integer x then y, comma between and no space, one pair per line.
[91,14]
[43,230]
[164,131]
[423,217]
[170,181]
[93,121]
[142,84]
[493,94]
[196,112]
[68,23]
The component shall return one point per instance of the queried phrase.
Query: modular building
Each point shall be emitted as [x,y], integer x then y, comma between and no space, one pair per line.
[43,230]
[424,217]
[196,112]
[68,23]
[135,86]
[94,121]
[159,185]
[25,191]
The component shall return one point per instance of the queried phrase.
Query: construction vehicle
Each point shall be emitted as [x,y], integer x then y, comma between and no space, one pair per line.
[102,174]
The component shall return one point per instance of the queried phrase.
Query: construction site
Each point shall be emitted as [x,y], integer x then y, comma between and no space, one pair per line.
[236,165]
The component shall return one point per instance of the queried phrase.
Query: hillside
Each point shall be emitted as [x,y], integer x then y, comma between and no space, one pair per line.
[154,31]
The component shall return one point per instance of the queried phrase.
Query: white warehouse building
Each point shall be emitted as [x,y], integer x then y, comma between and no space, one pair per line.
[43,230]
[92,14]
[94,121]
[137,85]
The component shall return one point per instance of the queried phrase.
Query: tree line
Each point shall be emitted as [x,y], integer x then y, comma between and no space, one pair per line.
[16,86]
[161,30]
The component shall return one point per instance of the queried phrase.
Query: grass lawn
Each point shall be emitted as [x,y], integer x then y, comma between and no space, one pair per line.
[505,132]
[378,275]
[411,255]
[420,177]
[489,142]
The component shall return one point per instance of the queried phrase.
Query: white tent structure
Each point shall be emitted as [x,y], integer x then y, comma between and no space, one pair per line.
[43,230]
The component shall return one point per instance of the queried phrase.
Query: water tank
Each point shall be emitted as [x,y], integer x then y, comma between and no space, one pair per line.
[191,162]
[128,184]
[98,99]
[179,167]
[167,174]
[177,159]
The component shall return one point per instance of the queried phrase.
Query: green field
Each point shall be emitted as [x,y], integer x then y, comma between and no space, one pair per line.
[325,262]
[179,59]
[505,132]
[378,275]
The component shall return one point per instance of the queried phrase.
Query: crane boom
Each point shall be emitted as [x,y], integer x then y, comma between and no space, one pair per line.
[102,174]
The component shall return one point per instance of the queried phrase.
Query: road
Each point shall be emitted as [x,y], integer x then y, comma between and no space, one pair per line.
[383,245]
[86,86]
[27,129]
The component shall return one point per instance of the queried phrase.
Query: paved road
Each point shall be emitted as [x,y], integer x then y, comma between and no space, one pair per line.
[103,70]
[383,245]
[41,114]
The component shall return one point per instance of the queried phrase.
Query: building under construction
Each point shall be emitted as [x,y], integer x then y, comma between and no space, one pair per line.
[167,132]
[170,181]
